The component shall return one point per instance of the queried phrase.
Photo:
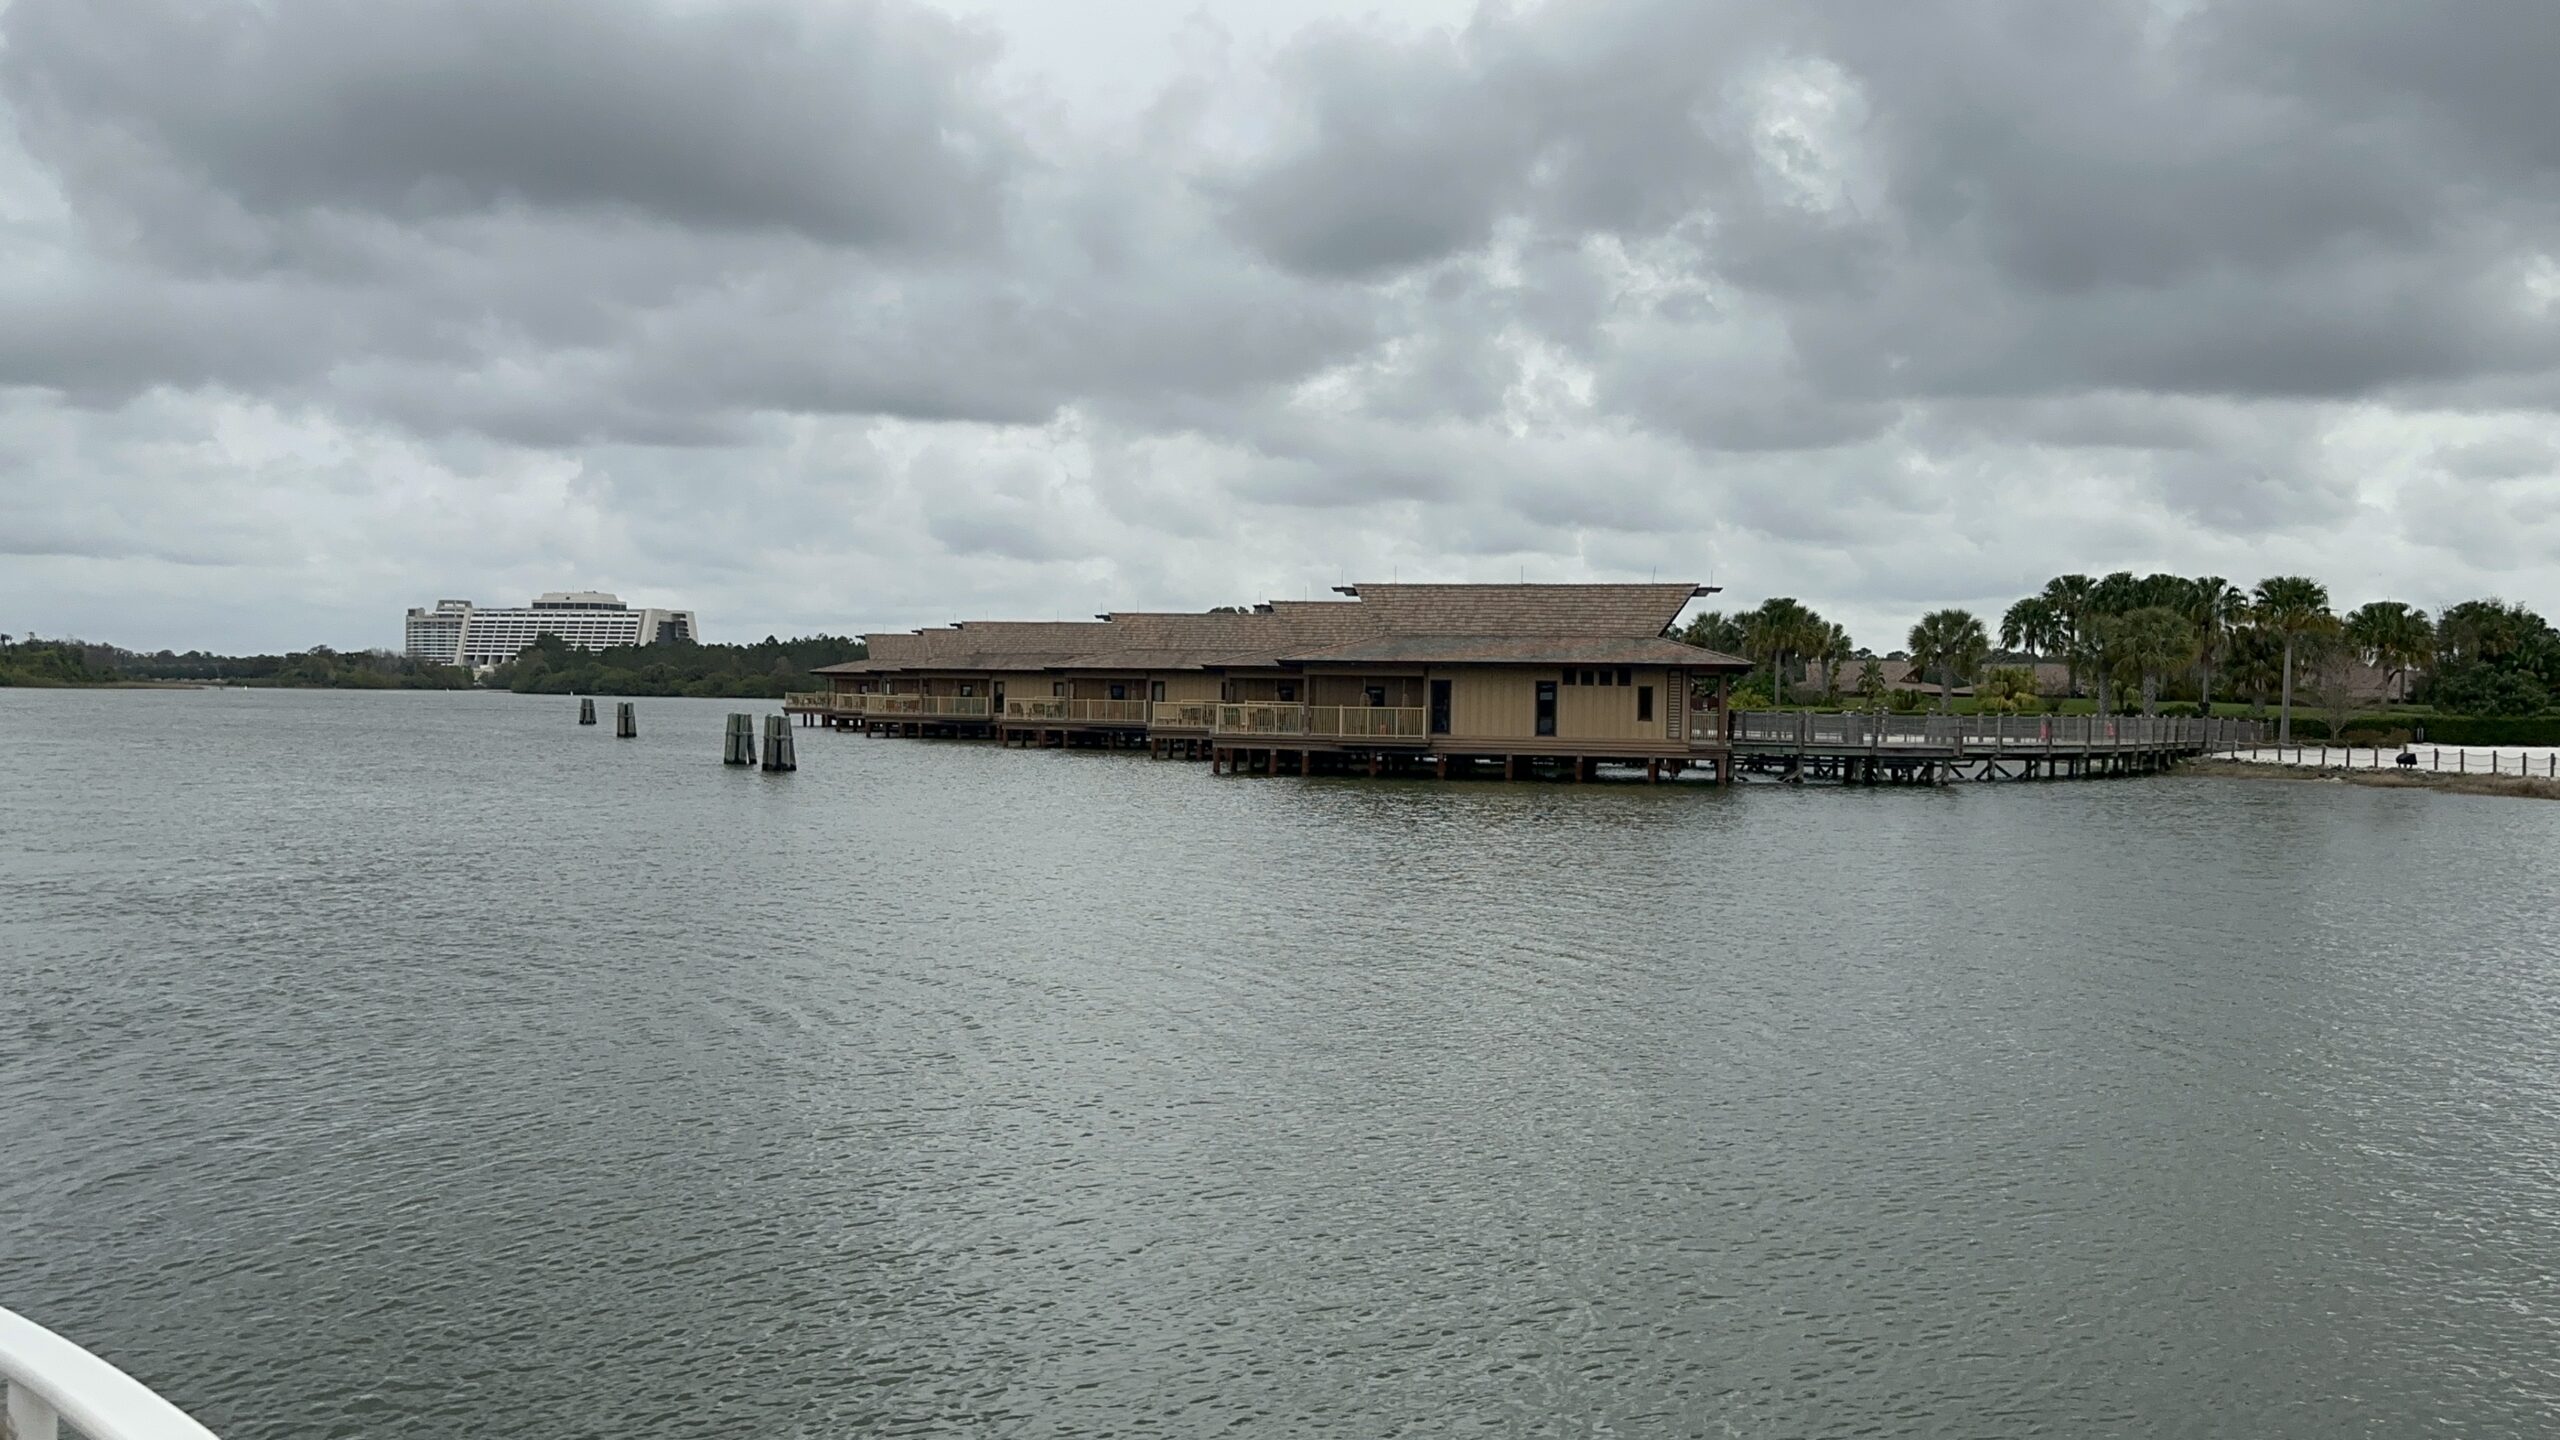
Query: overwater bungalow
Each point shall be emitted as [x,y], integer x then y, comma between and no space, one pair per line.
[1521,676]
[1391,677]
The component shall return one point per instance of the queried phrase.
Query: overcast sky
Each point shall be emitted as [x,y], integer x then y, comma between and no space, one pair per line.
[831,314]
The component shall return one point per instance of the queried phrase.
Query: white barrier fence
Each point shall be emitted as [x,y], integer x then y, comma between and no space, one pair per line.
[2539,761]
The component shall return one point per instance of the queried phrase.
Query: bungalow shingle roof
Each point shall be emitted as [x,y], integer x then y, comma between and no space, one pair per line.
[1521,650]
[1635,612]
[1460,620]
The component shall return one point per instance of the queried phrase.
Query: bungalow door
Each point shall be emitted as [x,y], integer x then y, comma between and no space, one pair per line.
[1546,707]
[1439,707]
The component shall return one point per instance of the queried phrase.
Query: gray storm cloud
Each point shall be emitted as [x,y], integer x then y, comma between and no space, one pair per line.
[314,309]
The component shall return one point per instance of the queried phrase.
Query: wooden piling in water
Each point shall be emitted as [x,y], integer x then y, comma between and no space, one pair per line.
[738,747]
[778,751]
[625,724]
[587,710]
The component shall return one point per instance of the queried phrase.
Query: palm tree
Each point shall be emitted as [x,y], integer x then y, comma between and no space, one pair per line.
[2484,630]
[1780,630]
[2149,643]
[2116,592]
[2067,596]
[1871,679]
[2162,591]
[2252,656]
[2291,606]
[1952,643]
[2216,607]
[1831,652]
[2394,638]
[2031,625]
[1715,630]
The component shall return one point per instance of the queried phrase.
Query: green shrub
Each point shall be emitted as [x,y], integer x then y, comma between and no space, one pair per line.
[2490,730]
[2482,730]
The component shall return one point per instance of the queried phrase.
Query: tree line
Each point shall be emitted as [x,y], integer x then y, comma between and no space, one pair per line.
[2132,639]
[31,661]
[766,669]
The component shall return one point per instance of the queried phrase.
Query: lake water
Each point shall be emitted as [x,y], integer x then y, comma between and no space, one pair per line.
[424,1065]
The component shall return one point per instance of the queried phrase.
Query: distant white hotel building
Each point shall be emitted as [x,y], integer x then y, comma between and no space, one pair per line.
[457,632]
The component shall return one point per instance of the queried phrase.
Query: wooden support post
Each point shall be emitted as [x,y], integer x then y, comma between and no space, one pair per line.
[1653,772]
[779,753]
[625,724]
[1510,765]
[739,745]
[586,710]
[1443,763]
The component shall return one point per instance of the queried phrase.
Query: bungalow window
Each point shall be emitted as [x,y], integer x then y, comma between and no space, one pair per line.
[1155,690]
[1644,702]
[967,689]
[1377,697]
[1608,679]
[1119,692]
[1568,677]
[1288,693]
[1058,689]
[1626,675]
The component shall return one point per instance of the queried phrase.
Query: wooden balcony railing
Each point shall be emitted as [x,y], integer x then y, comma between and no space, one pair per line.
[1061,710]
[806,699]
[1322,722]
[1185,714]
[925,707]
[1263,721]
[1367,722]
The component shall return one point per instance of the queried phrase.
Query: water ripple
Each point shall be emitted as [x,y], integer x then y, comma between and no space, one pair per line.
[411,1065]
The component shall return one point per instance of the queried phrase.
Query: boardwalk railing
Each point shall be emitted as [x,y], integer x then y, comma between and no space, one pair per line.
[1983,733]
[50,1380]
[806,700]
[1321,722]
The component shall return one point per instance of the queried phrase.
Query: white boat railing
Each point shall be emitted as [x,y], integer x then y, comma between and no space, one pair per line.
[53,1382]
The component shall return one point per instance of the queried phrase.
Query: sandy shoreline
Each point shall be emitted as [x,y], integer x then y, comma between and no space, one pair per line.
[2532,787]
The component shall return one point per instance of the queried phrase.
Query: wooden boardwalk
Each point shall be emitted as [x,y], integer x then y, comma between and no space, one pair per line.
[1933,749]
